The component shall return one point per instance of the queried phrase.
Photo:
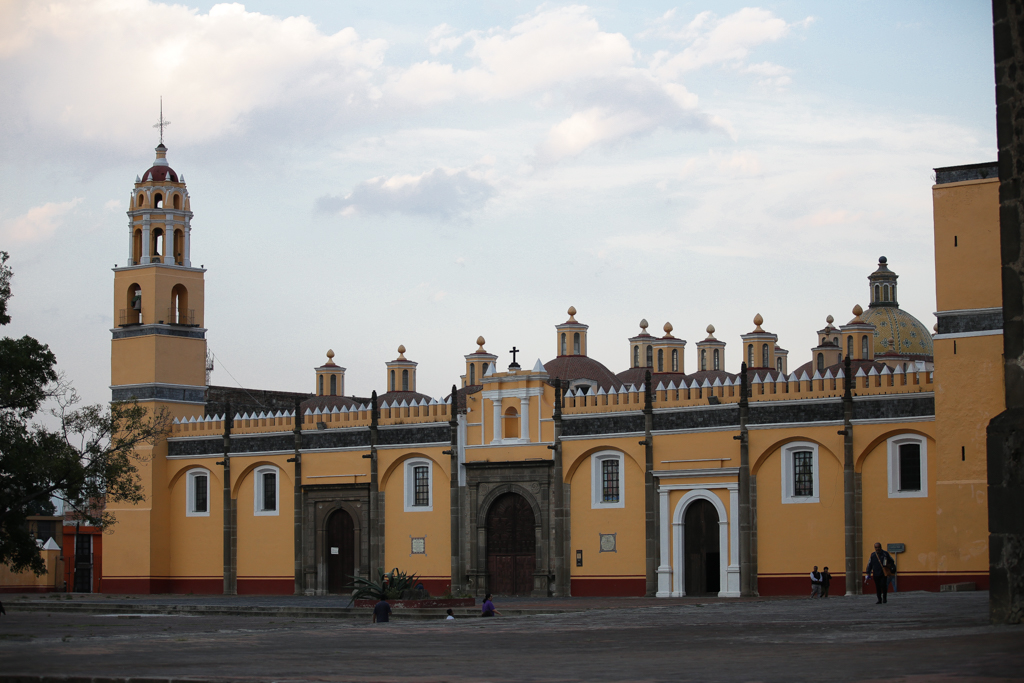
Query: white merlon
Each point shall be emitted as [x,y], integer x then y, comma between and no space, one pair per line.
[538,366]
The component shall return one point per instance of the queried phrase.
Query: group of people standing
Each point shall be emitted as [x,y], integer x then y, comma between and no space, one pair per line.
[881,569]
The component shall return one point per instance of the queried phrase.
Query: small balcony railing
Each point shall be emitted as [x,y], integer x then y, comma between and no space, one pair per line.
[178,317]
[124,320]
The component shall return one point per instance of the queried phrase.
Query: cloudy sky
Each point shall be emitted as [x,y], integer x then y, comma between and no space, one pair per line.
[368,174]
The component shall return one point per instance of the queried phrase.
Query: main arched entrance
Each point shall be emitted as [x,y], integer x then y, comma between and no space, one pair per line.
[511,546]
[701,549]
[341,552]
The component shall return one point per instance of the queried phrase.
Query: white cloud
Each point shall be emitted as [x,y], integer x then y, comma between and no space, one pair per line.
[93,69]
[39,222]
[439,193]
[113,205]
[728,40]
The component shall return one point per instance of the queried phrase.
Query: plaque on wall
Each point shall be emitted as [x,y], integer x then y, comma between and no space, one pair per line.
[334,551]
[419,545]
[607,543]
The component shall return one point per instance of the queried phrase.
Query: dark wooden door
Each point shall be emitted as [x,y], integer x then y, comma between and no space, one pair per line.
[701,549]
[511,546]
[83,564]
[341,552]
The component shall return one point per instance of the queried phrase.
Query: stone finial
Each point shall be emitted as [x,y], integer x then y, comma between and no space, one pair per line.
[401,352]
[480,344]
[935,328]
[330,357]
[757,323]
[882,260]
[643,325]
[711,331]
[829,319]
[572,314]
[857,312]
[668,329]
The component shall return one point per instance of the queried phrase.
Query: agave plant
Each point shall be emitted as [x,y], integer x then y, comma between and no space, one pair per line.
[386,586]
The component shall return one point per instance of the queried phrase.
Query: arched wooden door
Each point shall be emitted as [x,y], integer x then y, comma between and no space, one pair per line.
[511,546]
[702,549]
[341,552]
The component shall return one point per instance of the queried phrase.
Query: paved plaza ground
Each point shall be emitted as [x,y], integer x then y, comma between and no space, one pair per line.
[916,637]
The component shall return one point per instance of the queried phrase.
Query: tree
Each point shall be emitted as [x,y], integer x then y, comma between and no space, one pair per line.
[89,458]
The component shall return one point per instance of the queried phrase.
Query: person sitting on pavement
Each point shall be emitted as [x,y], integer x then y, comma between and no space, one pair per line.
[488,607]
[450,617]
[381,612]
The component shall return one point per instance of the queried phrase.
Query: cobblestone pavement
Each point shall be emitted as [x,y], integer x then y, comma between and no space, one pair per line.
[916,637]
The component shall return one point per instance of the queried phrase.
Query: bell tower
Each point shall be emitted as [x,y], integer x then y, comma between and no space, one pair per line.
[158,358]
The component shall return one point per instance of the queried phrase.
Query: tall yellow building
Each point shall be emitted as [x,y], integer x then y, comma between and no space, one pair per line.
[565,477]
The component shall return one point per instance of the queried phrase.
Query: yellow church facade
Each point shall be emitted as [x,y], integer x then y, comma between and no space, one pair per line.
[675,476]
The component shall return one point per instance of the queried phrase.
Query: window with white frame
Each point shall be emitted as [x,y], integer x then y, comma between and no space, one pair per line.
[419,485]
[908,466]
[800,473]
[608,480]
[197,493]
[265,496]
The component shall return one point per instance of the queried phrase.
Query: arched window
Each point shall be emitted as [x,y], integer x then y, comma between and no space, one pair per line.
[179,313]
[156,244]
[405,380]
[576,343]
[563,345]
[703,359]
[158,201]
[717,364]
[133,313]
[177,200]
[392,380]
[472,374]
[877,296]
[636,356]
[141,202]
[511,423]
[750,355]
[136,248]
[675,360]
[321,385]
[864,347]
[483,369]
[835,340]
[179,247]
[821,362]
[885,292]
[334,385]
[650,356]
[198,493]
[265,495]
[894,293]
[661,360]
[849,346]
[764,356]
[778,364]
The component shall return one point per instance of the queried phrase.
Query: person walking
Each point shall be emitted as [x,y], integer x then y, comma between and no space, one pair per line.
[815,583]
[488,607]
[826,579]
[880,567]
[381,612]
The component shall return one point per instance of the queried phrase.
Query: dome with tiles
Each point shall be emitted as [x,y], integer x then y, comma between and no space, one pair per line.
[896,331]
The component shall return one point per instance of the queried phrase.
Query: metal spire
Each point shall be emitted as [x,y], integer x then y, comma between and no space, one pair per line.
[162,124]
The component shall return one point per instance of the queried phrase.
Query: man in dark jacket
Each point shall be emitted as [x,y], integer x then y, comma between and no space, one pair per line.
[880,563]
[826,581]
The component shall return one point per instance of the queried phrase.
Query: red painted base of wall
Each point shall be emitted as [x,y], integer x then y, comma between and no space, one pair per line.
[142,586]
[801,585]
[27,589]
[196,586]
[608,587]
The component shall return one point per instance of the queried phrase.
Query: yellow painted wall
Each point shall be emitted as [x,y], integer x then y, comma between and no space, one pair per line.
[967,275]
[265,542]
[626,522]
[793,537]
[402,526]
[196,544]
